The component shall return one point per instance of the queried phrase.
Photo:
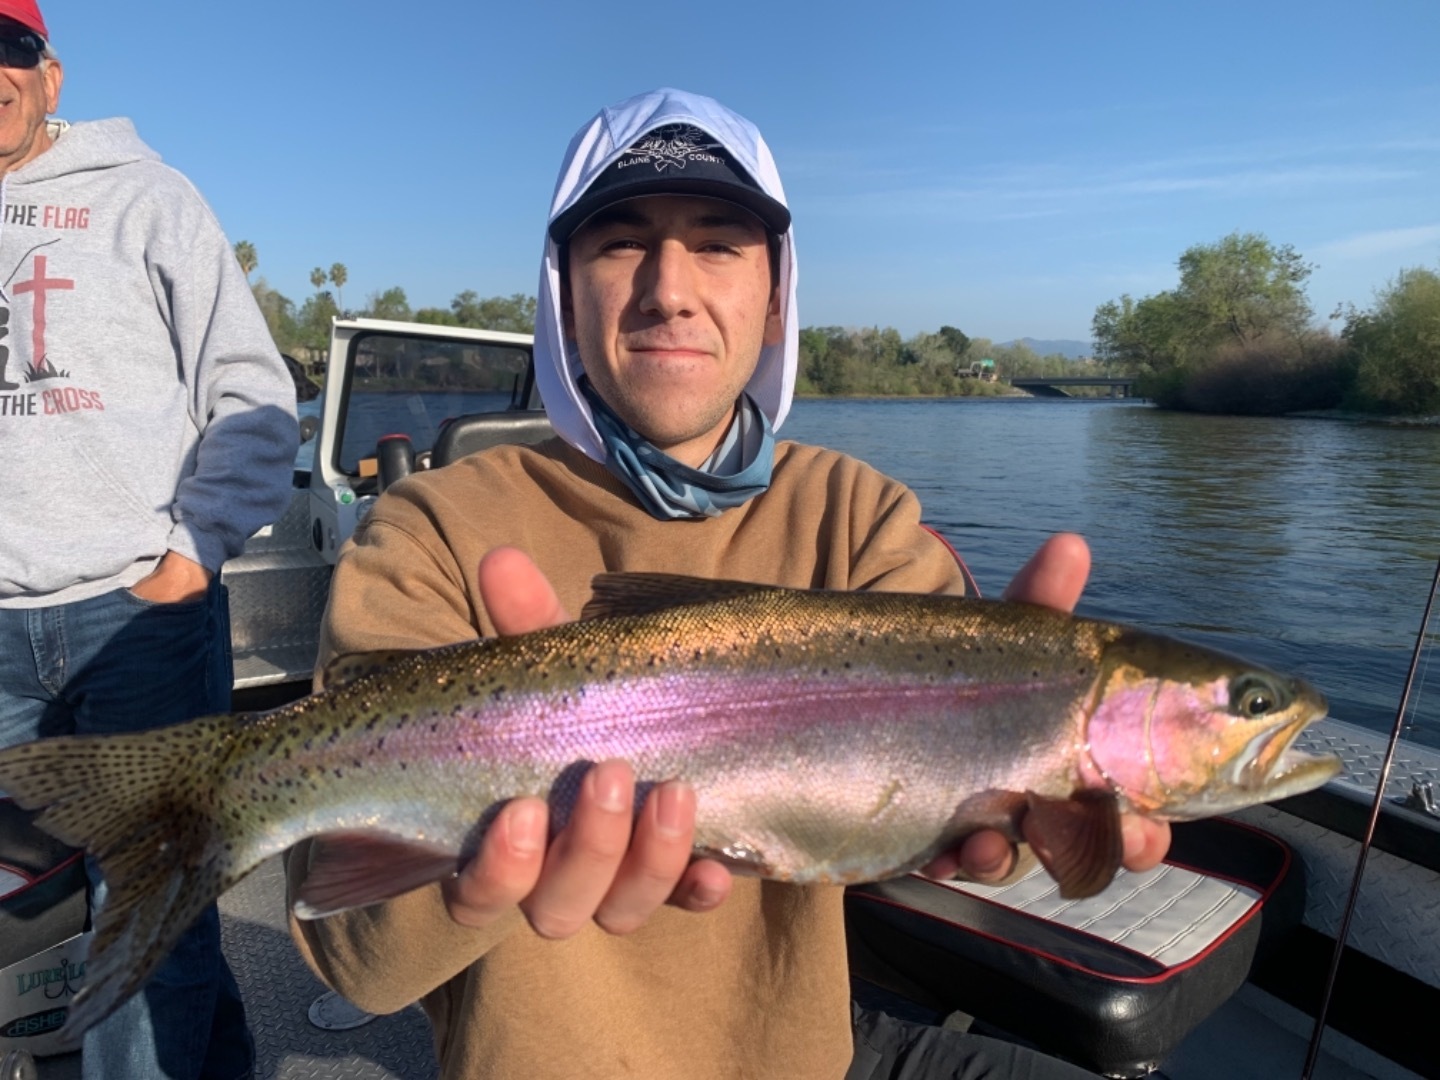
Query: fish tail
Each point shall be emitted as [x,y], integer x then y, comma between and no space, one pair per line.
[146,806]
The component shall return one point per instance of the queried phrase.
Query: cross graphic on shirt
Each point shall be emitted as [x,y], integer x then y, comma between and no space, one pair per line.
[40,285]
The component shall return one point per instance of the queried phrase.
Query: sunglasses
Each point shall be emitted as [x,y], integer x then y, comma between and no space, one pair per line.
[20,50]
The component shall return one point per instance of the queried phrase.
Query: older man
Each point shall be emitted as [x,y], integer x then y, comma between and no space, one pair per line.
[147,428]
[666,348]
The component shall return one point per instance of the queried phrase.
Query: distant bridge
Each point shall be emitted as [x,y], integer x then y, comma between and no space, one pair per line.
[1043,387]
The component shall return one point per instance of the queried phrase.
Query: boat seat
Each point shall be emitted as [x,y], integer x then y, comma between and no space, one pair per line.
[42,887]
[474,432]
[1111,983]
[43,911]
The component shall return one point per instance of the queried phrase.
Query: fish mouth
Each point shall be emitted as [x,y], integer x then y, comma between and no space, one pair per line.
[1272,767]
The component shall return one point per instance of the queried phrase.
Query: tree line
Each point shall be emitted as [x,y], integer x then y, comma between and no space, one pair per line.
[833,360]
[304,331]
[876,362]
[1237,335]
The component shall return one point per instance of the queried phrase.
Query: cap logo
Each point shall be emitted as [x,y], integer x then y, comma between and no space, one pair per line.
[673,144]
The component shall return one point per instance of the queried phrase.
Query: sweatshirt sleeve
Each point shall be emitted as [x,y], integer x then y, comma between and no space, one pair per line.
[396,586]
[242,399]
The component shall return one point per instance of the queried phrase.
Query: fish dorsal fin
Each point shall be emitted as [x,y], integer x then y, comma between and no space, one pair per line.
[352,666]
[1083,845]
[627,593]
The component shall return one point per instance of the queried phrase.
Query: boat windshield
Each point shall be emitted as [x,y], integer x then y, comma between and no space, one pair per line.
[403,385]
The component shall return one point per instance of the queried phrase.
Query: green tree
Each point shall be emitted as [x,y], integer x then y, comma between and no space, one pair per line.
[313,322]
[246,256]
[437,316]
[514,314]
[954,340]
[279,313]
[828,359]
[1242,288]
[1240,300]
[1397,344]
[1019,361]
[317,278]
[338,276]
[1148,335]
[391,304]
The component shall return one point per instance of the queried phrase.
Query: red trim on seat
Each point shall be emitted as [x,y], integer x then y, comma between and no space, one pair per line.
[31,882]
[1285,850]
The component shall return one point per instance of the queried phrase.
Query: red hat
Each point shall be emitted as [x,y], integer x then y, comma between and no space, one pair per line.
[26,13]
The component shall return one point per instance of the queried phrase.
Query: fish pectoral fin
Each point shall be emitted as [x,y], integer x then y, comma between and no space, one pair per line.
[641,594]
[356,869]
[1076,839]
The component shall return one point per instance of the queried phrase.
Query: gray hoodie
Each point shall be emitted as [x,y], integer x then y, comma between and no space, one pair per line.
[143,406]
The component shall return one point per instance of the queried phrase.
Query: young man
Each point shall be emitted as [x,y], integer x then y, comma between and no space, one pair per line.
[147,427]
[666,348]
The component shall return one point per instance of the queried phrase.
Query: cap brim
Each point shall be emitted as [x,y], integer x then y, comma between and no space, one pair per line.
[773,214]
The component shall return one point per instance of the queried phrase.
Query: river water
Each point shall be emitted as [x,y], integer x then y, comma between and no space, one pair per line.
[1307,545]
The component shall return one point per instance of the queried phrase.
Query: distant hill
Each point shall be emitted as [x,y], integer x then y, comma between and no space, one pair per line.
[1071,350]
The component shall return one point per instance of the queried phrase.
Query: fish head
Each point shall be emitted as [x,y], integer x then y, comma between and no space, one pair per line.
[1179,732]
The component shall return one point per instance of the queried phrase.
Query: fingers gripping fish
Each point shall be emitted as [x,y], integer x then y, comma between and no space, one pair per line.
[830,737]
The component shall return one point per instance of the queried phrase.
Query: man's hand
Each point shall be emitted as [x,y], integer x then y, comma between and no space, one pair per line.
[1055,577]
[601,868]
[175,580]
[606,866]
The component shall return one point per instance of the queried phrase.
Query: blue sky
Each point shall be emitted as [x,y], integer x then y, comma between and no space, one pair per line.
[1003,168]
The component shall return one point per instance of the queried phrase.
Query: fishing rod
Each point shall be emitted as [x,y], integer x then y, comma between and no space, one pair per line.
[1314,1052]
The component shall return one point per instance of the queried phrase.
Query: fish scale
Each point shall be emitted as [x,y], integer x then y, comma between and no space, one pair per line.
[830,737]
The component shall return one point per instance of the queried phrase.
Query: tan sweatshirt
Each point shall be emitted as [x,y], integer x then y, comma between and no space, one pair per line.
[758,988]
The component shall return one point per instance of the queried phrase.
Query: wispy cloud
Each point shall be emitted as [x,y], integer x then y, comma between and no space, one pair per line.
[1380,242]
[1025,193]
[1223,183]
[885,182]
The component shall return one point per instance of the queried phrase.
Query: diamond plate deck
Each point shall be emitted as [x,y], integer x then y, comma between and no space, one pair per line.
[1397,915]
[278,989]
[1362,752]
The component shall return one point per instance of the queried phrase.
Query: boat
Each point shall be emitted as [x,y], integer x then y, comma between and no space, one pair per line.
[924,951]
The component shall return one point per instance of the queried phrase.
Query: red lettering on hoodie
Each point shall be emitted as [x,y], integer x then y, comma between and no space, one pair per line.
[65,217]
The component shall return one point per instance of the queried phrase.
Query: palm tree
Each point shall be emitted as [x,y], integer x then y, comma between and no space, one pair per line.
[338,276]
[245,253]
[317,278]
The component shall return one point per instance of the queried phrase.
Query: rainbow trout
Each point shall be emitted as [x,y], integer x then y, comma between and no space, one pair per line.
[831,737]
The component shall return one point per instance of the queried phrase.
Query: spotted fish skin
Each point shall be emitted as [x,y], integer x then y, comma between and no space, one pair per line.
[830,737]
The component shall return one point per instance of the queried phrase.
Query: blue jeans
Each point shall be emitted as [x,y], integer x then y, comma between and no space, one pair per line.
[116,663]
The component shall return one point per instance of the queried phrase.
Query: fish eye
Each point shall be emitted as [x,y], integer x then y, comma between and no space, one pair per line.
[1253,696]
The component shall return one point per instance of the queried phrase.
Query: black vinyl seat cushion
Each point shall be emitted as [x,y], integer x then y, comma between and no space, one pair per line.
[1112,982]
[474,432]
[42,887]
